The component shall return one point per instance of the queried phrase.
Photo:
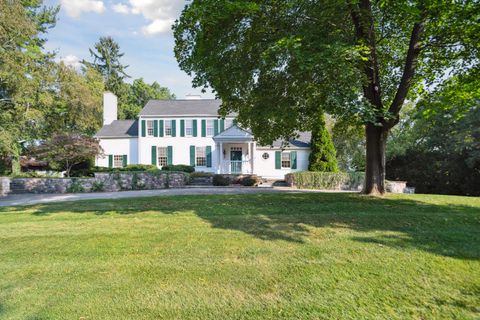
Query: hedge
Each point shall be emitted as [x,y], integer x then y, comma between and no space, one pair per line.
[326,180]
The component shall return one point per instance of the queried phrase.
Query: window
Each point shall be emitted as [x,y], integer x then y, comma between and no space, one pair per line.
[209,127]
[228,123]
[265,156]
[162,156]
[117,161]
[286,160]
[201,156]
[150,128]
[168,128]
[189,127]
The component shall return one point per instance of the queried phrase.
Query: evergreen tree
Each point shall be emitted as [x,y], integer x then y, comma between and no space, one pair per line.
[106,60]
[322,157]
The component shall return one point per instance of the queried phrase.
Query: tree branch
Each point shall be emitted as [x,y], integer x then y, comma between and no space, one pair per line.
[414,49]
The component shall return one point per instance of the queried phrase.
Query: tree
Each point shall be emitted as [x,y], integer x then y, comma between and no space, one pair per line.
[322,156]
[76,104]
[24,72]
[139,93]
[67,150]
[442,139]
[106,60]
[276,63]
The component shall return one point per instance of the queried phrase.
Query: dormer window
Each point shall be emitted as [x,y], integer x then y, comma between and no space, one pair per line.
[168,128]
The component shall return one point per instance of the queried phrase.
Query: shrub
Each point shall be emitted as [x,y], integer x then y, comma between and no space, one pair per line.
[179,167]
[75,187]
[129,168]
[326,180]
[221,180]
[249,181]
[98,186]
[200,174]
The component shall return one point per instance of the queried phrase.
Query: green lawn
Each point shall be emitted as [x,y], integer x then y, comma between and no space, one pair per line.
[264,256]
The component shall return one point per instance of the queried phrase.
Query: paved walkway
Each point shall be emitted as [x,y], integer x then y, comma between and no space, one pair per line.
[28,199]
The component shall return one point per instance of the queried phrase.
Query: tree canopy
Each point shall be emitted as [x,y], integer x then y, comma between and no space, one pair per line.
[278,63]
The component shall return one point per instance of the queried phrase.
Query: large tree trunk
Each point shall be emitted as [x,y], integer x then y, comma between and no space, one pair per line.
[375,166]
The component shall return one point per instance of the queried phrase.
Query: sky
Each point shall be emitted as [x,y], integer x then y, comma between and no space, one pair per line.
[141,27]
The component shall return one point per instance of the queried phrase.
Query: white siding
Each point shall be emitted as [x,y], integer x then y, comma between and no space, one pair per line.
[266,168]
[118,146]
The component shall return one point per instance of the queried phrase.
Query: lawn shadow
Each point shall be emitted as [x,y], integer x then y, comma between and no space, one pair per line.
[445,229]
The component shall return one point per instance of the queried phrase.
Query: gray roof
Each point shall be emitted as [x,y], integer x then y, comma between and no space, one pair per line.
[234,133]
[201,107]
[119,128]
[303,141]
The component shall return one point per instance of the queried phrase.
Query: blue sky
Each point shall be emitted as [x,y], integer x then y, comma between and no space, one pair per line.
[141,27]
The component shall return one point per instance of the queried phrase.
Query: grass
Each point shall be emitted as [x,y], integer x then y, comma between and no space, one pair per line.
[264,256]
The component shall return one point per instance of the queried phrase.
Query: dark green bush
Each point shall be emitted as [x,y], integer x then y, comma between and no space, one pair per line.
[221,180]
[249,181]
[179,167]
[327,180]
[130,167]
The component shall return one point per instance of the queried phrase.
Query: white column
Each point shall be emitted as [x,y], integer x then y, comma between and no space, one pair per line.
[251,147]
[221,158]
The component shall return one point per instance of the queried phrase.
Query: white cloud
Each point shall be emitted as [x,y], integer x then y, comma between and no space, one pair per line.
[121,8]
[160,13]
[75,8]
[72,61]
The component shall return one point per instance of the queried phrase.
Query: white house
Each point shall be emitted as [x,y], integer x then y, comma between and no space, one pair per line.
[191,132]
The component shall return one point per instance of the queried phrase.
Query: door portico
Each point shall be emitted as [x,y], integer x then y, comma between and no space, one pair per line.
[235,151]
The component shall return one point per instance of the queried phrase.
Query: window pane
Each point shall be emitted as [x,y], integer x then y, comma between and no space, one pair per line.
[209,127]
[285,159]
[150,127]
[168,127]
[189,127]
[162,156]
[117,161]
[201,158]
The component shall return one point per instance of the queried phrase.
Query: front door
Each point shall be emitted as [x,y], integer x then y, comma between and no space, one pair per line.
[236,160]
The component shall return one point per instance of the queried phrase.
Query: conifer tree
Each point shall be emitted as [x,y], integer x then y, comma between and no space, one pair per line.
[323,155]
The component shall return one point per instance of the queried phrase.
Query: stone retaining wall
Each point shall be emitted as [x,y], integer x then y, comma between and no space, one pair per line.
[110,182]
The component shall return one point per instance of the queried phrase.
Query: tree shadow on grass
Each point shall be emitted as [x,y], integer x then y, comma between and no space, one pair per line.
[445,229]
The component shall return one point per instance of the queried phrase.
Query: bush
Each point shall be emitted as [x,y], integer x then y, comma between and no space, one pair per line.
[221,180]
[75,187]
[326,180]
[129,168]
[249,181]
[179,167]
[200,174]
[98,186]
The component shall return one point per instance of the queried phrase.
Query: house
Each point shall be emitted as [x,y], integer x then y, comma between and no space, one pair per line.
[190,132]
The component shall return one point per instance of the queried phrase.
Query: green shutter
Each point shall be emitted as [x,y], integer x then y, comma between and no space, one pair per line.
[160,128]
[215,127]
[194,128]
[169,155]
[155,128]
[110,161]
[293,159]
[182,128]
[222,125]
[144,128]
[192,156]
[154,155]
[204,128]
[278,160]
[124,160]
[174,128]
[209,156]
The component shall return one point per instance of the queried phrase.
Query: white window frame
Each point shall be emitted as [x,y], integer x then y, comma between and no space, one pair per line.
[285,161]
[189,127]
[150,128]
[210,128]
[200,156]
[162,156]
[168,128]
[117,161]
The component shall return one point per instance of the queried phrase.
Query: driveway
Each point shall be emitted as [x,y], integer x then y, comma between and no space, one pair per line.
[29,199]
